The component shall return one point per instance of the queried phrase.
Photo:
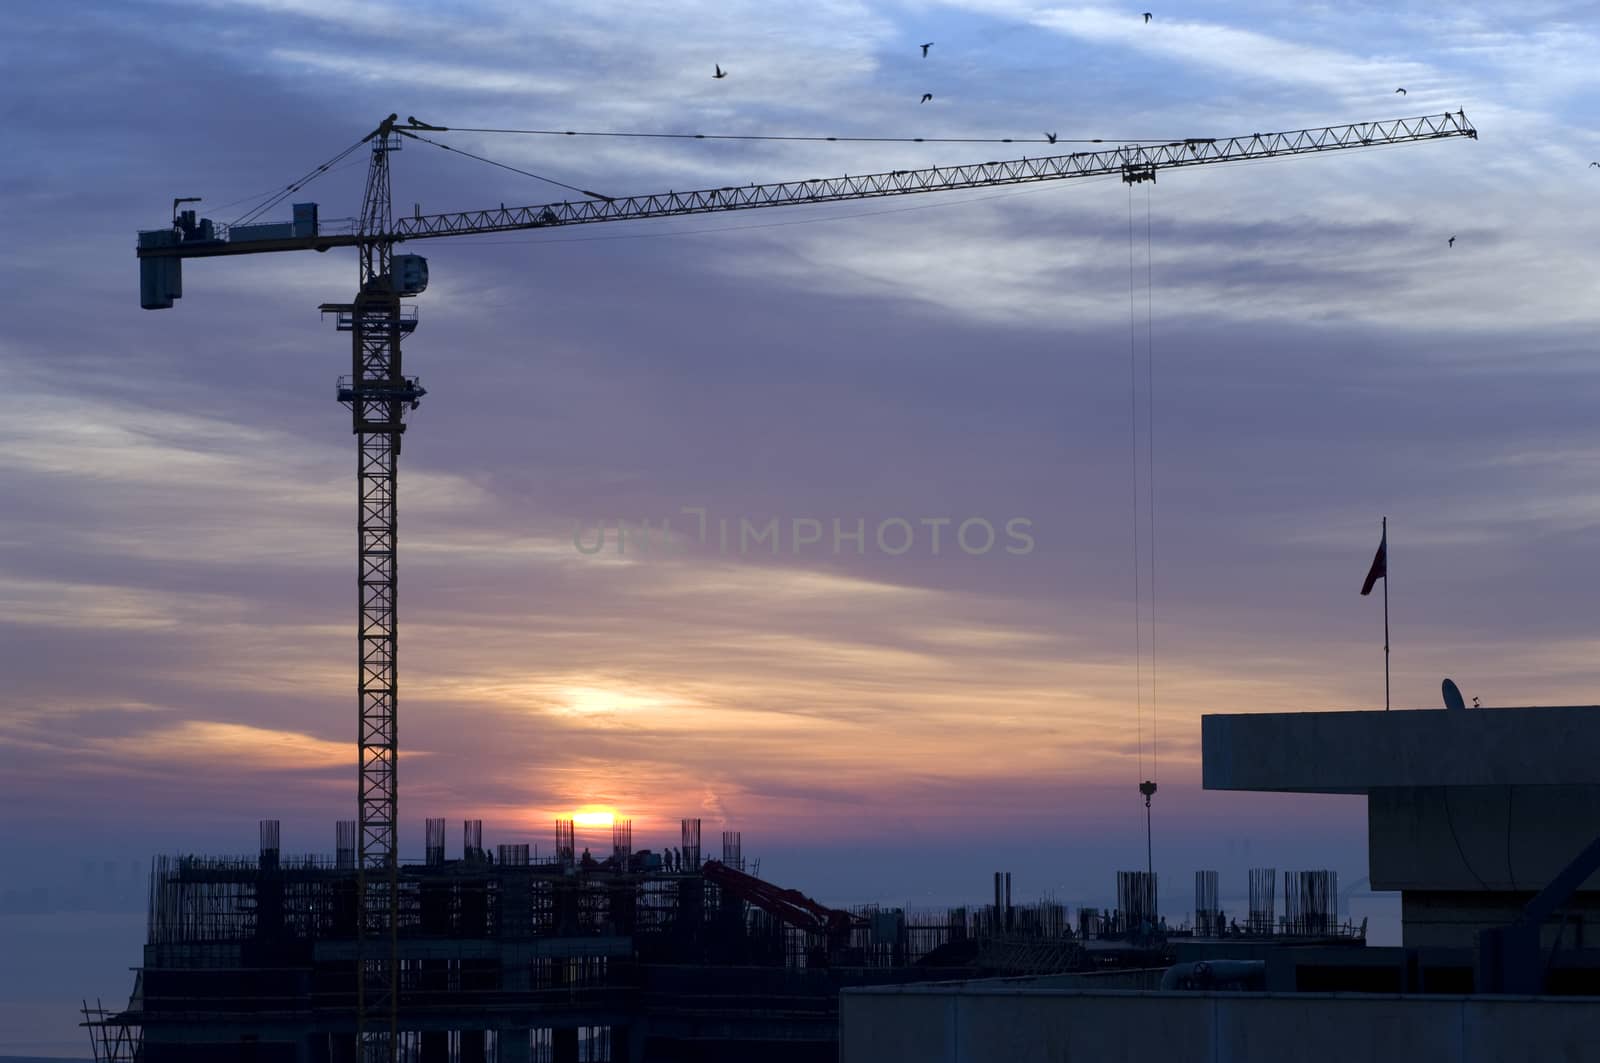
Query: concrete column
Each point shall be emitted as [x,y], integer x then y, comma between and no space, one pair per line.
[435,1046]
[516,972]
[514,1046]
[342,1048]
[627,1043]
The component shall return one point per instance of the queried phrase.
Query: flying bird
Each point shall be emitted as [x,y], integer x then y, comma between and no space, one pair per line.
[926,96]
[1148,16]
[1051,137]
[1594,164]
[1401,91]
[925,48]
[1451,242]
[721,73]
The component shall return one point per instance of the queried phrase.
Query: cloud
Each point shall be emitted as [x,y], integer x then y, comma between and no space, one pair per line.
[177,525]
[1232,51]
[227,748]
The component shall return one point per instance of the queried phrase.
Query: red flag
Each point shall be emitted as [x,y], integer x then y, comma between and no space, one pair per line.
[1380,565]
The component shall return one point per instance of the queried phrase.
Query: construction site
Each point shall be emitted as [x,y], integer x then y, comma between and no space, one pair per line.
[677,952]
[630,955]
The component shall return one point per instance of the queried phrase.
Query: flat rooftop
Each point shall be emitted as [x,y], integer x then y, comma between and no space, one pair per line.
[1358,752]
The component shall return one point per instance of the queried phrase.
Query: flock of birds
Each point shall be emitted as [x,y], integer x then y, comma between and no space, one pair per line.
[927,97]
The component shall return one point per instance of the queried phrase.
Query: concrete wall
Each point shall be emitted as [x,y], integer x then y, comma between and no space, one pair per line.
[1452,920]
[1477,838]
[972,1024]
[1129,978]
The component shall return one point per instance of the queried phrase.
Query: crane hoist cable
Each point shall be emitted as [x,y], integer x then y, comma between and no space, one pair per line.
[1133,447]
[1147,783]
[1150,458]
[1140,585]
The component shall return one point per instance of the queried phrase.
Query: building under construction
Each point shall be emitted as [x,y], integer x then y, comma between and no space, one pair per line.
[508,956]
[504,956]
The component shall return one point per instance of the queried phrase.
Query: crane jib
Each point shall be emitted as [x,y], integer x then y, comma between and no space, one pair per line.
[1132,163]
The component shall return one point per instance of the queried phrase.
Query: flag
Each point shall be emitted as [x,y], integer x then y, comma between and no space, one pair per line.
[1380,565]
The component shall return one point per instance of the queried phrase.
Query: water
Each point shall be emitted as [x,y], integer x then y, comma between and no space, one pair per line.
[49,963]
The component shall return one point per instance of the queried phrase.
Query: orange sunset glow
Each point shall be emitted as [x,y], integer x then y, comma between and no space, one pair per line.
[594,818]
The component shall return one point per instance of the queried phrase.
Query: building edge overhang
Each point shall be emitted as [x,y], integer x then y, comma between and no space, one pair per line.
[1357,752]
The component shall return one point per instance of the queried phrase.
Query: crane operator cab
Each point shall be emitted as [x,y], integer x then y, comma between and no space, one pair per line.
[409,274]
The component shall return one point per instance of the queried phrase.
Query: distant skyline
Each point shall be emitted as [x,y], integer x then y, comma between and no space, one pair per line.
[176,543]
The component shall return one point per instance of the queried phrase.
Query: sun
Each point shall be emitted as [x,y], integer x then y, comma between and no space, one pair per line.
[594,817]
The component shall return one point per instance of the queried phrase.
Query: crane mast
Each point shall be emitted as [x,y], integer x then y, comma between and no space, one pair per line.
[378,394]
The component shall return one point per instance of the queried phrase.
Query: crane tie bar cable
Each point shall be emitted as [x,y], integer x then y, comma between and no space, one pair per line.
[525,173]
[813,139]
[295,186]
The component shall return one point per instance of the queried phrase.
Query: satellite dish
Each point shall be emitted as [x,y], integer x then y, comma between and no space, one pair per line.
[1452,696]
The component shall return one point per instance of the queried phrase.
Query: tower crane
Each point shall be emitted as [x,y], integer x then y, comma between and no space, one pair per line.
[378,392]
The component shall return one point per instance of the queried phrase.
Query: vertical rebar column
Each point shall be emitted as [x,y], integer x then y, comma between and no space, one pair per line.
[1310,901]
[1263,899]
[1206,916]
[690,851]
[344,851]
[566,841]
[270,847]
[622,842]
[433,842]
[269,883]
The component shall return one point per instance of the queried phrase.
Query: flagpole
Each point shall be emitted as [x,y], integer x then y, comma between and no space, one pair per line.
[1385,541]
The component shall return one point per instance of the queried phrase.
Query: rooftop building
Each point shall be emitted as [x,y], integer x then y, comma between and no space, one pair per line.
[1485,821]
[1470,812]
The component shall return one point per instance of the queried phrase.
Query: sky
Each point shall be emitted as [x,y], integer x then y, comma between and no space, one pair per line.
[1269,357]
